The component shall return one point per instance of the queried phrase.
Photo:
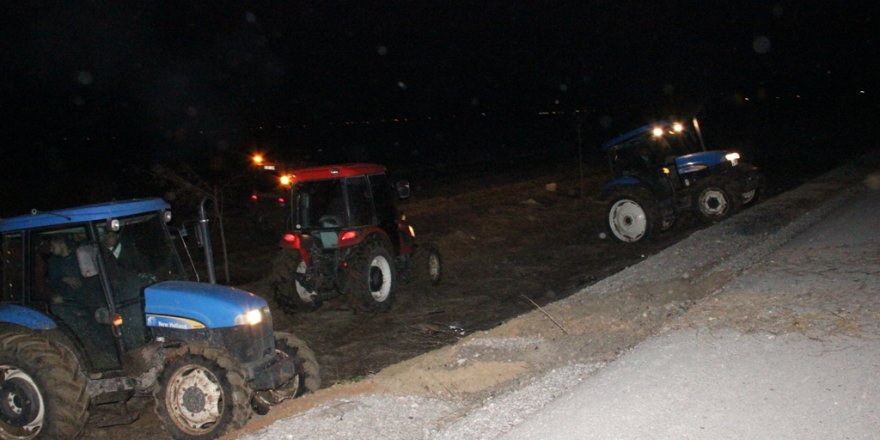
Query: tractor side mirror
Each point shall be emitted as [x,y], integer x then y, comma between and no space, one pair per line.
[87,258]
[402,188]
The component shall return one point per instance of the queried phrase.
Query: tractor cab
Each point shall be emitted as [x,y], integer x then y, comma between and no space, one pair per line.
[89,275]
[649,152]
[331,204]
[345,237]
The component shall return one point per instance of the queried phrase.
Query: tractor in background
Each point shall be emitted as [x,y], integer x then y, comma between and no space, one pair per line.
[345,237]
[663,171]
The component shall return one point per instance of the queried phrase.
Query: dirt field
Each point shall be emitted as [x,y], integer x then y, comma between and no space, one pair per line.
[506,247]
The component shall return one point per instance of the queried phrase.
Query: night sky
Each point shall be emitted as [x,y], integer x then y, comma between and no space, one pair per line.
[95,92]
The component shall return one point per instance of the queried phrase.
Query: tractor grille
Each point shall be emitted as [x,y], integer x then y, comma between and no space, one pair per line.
[249,343]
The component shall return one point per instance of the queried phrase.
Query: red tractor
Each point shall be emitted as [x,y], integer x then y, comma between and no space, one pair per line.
[344,236]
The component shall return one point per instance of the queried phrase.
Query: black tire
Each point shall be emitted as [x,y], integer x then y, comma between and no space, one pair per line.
[288,292]
[202,394]
[42,389]
[714,201]
[427,264]
[308,374]
[750,198]
[372,276]
[631,215]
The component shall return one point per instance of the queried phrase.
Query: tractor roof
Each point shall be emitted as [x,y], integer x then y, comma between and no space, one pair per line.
[336,171]
[102,211]
[632,134]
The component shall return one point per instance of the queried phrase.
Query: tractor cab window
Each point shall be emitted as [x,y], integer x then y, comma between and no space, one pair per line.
[633,158]
[360,201]
[320,205]
[12,275]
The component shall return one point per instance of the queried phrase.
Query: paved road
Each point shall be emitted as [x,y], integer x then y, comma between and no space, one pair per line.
[812,371]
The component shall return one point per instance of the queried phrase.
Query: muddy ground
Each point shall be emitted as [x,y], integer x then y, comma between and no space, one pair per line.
[509,245]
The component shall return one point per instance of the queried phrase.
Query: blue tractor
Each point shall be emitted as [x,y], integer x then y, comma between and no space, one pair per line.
[663,171]
[97,307]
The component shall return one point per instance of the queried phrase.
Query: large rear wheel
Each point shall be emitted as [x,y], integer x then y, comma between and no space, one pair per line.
[372,277]
[632,216]
[289,291]
[202,394]
[42,390]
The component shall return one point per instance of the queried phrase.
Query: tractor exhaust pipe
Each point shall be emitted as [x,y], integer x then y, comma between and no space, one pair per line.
[206,240]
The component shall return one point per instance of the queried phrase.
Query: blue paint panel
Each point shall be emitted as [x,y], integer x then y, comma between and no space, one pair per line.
[101,211]
[686,163]
[25,317]
[214,305]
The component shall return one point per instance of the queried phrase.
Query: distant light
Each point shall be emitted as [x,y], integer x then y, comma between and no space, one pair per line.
[254,197]
[257,158]
[677,127]
[285,180]
[657,131]
[281,200]
[861,92]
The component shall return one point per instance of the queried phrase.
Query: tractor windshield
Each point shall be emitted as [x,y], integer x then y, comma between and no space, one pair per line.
[142,247]
[320,204]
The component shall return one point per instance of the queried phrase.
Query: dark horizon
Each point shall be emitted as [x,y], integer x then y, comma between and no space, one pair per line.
[97,94]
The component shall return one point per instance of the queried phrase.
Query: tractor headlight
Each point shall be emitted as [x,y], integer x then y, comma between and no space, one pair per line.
[251,317]
[732,157]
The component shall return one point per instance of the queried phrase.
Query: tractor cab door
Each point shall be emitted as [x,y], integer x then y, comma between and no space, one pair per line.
[371,204]
[67,284]
[386,211]
[135,251]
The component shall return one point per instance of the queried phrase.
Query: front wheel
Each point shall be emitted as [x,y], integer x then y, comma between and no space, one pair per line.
[372,277]
[42,390]
[202,394]
[631,216]
[427,263]
[715,202]
[306,380]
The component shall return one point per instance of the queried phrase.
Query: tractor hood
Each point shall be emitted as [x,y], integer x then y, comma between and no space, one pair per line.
[699,161]
[186,305]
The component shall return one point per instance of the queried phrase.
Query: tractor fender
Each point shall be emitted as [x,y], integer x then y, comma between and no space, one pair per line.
[620,182]
[191,305]
[25,317]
